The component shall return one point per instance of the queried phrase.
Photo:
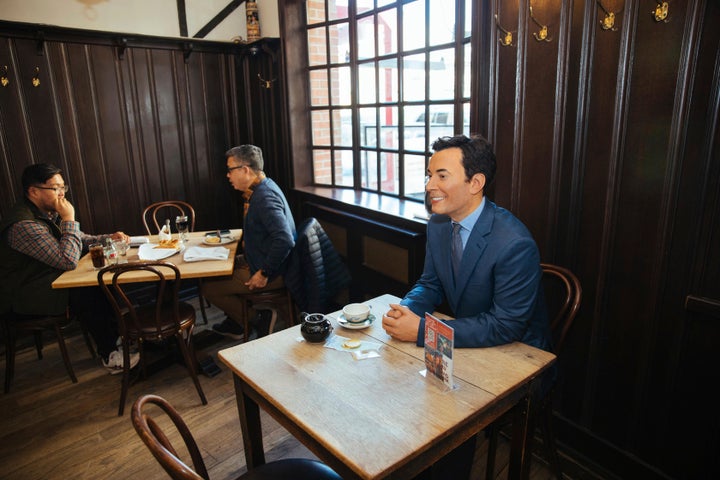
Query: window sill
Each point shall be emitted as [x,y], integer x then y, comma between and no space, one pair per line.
[402,213]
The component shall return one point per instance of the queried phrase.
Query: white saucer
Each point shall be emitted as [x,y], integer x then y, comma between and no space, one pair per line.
[223,240]
[355,325]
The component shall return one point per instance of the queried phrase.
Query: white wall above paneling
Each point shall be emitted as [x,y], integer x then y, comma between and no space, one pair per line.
[146,17]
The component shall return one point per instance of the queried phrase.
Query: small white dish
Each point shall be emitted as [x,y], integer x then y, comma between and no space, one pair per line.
[355,325]
[147,251]
[223,240]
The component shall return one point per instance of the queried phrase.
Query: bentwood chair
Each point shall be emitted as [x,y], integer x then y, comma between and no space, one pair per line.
[160,445]
[14,325]
[155,215]
[563,294]
[164,318]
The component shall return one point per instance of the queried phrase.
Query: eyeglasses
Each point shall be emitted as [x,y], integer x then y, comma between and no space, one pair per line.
[57,189]
[230,169]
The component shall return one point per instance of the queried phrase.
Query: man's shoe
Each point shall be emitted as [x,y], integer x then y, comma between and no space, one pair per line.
[114,362]
[230,328]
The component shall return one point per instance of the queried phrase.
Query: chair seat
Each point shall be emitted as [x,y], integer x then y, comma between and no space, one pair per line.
[292,468]
[147,325]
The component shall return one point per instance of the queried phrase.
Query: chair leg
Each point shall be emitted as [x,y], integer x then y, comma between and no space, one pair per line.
[9,356]
[493,432]
[201,300]
[37,335]
[188,353]
[125,376]
[64,352]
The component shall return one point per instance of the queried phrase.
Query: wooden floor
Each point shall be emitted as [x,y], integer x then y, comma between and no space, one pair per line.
[53,429]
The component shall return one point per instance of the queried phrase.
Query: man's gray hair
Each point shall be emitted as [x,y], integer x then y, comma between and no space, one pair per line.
[250,155]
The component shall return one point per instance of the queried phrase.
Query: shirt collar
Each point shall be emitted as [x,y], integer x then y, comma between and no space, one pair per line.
[468,222]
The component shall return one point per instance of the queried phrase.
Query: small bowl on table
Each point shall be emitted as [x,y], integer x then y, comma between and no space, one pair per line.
[356,312]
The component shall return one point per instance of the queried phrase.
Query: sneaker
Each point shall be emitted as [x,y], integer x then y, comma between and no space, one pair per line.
[114,362]
[230,328]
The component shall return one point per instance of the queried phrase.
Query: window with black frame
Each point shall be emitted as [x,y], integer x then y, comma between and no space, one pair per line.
[386,79]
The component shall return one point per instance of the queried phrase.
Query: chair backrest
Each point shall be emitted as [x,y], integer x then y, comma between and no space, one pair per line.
[563,295]
[166,296]
[160,445]
[157,213]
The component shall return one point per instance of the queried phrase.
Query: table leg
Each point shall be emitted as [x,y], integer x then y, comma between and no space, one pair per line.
[520,444]
[249,414]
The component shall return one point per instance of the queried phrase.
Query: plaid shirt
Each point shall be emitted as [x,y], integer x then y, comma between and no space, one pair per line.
[37,241]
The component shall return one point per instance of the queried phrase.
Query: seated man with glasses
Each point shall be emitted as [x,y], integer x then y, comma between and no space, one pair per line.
[40,239]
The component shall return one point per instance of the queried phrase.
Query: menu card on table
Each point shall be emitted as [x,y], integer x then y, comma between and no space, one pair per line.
[439,344]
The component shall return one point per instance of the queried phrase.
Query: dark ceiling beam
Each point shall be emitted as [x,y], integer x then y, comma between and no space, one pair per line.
[182,18]
[224,13]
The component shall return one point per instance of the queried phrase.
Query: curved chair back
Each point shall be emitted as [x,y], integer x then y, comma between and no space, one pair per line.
[156,213]
[563,294]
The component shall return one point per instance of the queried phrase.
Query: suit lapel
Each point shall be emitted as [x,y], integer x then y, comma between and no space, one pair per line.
[474,249]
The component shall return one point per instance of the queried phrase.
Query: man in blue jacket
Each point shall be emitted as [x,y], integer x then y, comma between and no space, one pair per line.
[494,289]
[268,238]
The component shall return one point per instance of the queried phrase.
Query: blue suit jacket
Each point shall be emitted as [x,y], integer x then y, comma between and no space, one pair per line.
[498,298]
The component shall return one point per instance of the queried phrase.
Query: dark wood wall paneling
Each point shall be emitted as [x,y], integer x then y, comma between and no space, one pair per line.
[133,120]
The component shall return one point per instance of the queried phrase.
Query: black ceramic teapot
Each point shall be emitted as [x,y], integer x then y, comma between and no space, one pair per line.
[315,327]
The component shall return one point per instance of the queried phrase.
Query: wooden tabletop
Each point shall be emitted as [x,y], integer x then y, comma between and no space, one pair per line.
[379,416]
[85,275]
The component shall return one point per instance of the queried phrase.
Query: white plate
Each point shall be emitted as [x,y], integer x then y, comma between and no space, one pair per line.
[355,326]
[223,240]
[147,251]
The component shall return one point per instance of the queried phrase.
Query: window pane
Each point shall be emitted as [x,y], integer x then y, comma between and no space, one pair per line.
[388,80]
[468,19]
[414,77]
[467,70]
[414,25]
[382,3]
[368,169]
[339,43]
[320,127]
[442,22]
[340,85]
[414,128]
[366,37]
[387,32]
[321,166]
[389,127]
[442,73]
[366,83]
[315,11]
[342,128]
[441,121]
[343,168]
[368,127]
[363,5]
[317,52]
[337,10]
[389,173]
[318,88]
[415,176]
[466,119]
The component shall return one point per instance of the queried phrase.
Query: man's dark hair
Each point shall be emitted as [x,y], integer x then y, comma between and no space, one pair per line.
[477,155]
[38,174]
[250,155]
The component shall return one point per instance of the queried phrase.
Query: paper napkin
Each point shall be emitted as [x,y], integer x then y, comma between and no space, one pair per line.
[197,254]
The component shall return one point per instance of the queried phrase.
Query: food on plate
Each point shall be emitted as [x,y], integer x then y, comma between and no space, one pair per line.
[212,239]
[172,243]
[351,343]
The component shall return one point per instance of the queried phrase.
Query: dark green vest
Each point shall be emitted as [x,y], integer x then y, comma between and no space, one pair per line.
[26,283]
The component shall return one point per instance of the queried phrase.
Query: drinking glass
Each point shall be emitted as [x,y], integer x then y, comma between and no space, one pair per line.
[97,253]
[181,223]
[122,247]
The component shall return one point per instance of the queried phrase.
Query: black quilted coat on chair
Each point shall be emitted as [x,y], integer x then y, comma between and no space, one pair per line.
[316,272]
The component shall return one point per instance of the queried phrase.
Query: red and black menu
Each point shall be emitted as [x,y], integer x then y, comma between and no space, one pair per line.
[439,343]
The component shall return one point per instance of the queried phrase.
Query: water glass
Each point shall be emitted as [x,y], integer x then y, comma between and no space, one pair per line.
[97,254]
[181,223]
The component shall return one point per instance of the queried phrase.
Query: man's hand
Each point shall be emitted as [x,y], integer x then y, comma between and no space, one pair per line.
[401,323]
[120,236]
[257,281]
[65,209]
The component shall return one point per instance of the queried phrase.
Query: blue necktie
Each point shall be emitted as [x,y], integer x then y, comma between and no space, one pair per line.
[457,248]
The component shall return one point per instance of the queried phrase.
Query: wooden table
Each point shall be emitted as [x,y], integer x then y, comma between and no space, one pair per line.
[86,276]
[378,417]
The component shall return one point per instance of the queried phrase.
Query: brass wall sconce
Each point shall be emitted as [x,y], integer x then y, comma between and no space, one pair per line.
[607,23]
[4,80]
[266,83]
[36,77]
[542,35]
[660,13]
[506,39]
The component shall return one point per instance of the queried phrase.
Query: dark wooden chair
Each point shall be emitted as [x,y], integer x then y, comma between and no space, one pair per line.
[563,294]
[159,444]
[276,300]
[164,318]
[155,215]
[14,325]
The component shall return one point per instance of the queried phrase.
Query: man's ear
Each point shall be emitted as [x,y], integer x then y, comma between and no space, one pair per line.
[477,183]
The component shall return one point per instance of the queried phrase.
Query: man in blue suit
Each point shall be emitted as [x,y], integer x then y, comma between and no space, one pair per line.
[494,289]
[496,295]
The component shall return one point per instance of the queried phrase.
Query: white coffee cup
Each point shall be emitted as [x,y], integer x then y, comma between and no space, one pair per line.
[356,312]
